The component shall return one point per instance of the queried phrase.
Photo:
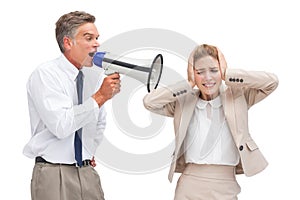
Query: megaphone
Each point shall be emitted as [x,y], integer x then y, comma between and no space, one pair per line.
[146,71]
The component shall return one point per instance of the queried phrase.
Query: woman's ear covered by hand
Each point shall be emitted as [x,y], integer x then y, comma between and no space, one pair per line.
[222,64]
[190,70]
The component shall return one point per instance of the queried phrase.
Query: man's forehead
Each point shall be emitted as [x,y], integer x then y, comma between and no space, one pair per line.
[87,29]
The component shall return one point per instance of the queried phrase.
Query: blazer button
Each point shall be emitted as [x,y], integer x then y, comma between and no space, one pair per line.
[174,95]
[241,148]
[230,79]
[241,80]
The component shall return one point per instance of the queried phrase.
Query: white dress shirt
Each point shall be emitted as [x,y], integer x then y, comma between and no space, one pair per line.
[55,115]
[208,139]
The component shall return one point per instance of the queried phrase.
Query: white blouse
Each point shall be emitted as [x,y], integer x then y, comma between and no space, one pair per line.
[208,139]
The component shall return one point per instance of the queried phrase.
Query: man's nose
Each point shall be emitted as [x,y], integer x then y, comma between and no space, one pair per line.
[97,44]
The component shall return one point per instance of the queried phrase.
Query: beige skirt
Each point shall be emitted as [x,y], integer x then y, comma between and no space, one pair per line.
[207,182]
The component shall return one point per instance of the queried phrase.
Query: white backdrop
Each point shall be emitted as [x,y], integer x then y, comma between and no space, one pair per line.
[258,35]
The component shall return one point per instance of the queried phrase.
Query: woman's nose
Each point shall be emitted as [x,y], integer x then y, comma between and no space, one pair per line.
[207,75]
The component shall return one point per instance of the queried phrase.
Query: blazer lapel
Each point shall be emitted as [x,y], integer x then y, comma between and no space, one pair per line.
[228,105]
[188,106]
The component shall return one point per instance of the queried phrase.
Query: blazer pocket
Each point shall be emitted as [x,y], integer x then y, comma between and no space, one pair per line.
[251,145]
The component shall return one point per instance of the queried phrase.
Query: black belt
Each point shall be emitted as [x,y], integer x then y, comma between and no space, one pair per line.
[40,159]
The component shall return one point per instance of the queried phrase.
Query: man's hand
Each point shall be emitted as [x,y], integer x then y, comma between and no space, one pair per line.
[93,162]
[109,88]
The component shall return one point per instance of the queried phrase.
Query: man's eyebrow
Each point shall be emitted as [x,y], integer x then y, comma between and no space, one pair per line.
[89,34]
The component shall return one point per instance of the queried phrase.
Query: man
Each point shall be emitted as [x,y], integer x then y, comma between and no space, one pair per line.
[67,115]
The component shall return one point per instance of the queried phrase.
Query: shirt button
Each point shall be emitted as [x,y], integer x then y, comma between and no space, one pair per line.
[241,148]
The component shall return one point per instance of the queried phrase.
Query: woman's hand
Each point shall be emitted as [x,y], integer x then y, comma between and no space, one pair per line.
[222,64]
[190,70]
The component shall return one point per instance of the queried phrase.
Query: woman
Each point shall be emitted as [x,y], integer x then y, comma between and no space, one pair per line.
[212,141]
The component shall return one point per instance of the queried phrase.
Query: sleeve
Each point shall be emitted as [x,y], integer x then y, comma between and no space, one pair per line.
[163,100]
[256,85]
[55,107]
[101,124]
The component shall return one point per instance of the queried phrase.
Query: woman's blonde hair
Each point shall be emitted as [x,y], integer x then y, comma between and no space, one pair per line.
[204,50]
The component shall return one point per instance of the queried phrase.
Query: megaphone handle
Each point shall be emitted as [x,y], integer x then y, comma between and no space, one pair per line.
[109,72]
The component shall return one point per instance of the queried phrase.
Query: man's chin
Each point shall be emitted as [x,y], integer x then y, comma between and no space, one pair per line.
[88,65]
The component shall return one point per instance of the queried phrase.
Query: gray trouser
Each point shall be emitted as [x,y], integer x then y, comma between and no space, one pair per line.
[61,182]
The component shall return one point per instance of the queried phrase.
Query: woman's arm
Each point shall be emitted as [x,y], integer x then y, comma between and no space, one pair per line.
[256,85]
[163,100]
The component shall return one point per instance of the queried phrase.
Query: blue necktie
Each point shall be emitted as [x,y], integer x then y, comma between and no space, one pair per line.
[78,133]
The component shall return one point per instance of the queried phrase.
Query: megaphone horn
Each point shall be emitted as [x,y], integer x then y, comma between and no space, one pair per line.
[146,71]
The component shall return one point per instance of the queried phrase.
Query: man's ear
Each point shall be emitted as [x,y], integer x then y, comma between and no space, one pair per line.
[67,43]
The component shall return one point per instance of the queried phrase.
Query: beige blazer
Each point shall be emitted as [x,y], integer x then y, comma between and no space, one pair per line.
[241,90]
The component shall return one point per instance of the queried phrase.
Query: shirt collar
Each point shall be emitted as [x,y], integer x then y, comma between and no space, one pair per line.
[215,103]
[70,70]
